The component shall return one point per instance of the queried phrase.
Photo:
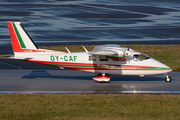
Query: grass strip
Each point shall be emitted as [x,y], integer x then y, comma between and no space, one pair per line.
[167,54]
[89,107]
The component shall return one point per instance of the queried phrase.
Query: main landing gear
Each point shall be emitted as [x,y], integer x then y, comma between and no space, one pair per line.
[167,78]
[102,78]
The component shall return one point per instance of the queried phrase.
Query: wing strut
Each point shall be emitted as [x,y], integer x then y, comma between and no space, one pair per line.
[67,50]
[85,49]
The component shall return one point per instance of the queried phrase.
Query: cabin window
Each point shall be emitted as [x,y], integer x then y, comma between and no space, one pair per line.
[92,58]
[140,57]
[103,58]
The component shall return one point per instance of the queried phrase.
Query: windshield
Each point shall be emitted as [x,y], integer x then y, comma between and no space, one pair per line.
[140,57]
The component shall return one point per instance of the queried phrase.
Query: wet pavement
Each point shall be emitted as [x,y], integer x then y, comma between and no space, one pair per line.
[70,81]
[56,22]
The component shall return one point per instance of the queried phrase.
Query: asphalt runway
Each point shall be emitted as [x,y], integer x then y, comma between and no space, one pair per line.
[54,22]
[57,22]
[72,81]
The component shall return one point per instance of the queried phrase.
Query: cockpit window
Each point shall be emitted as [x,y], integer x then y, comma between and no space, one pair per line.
[103,58]
[92,58]
[140,57]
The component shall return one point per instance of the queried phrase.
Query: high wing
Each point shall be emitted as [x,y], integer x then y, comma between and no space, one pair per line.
[103,52]
[109,49]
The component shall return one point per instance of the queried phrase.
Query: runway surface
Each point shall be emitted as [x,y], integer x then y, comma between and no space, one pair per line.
[71,81]
[57,22]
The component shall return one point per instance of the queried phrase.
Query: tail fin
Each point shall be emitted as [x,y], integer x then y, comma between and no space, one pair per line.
[20,40]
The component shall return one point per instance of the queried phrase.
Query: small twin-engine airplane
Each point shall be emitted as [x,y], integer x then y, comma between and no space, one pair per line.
[104,60]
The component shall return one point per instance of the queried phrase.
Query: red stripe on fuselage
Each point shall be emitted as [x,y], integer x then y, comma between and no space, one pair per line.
[87,68]
[96,66]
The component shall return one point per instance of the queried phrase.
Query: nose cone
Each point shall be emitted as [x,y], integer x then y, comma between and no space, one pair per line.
[164,68]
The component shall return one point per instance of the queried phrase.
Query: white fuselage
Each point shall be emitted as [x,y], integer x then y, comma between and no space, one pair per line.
[81,61]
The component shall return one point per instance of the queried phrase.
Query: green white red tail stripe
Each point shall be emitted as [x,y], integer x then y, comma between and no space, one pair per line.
[22,45]
[20,40]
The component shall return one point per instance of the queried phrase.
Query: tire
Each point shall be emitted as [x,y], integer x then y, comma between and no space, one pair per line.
[168,79]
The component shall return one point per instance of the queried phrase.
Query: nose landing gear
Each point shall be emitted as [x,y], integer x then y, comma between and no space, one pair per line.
[167,78]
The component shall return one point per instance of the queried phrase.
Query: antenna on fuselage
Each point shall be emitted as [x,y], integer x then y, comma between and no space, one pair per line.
[125,51]
[67,50]
[85,49]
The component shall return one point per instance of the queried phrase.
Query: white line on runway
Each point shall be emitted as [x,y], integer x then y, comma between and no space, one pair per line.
[144,6]
[92,92]
[10,65]
[97,7]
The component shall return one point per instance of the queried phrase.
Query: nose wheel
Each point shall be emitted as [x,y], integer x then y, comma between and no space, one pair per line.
[167,78]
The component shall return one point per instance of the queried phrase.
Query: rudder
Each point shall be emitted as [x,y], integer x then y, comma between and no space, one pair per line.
[20,40]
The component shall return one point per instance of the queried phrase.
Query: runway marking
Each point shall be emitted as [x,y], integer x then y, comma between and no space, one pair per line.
[10,65]
[91,92]
[97,7]
[144,27]
[143,5]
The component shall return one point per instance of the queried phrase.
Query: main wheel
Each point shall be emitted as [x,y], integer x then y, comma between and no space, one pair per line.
[168,79]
